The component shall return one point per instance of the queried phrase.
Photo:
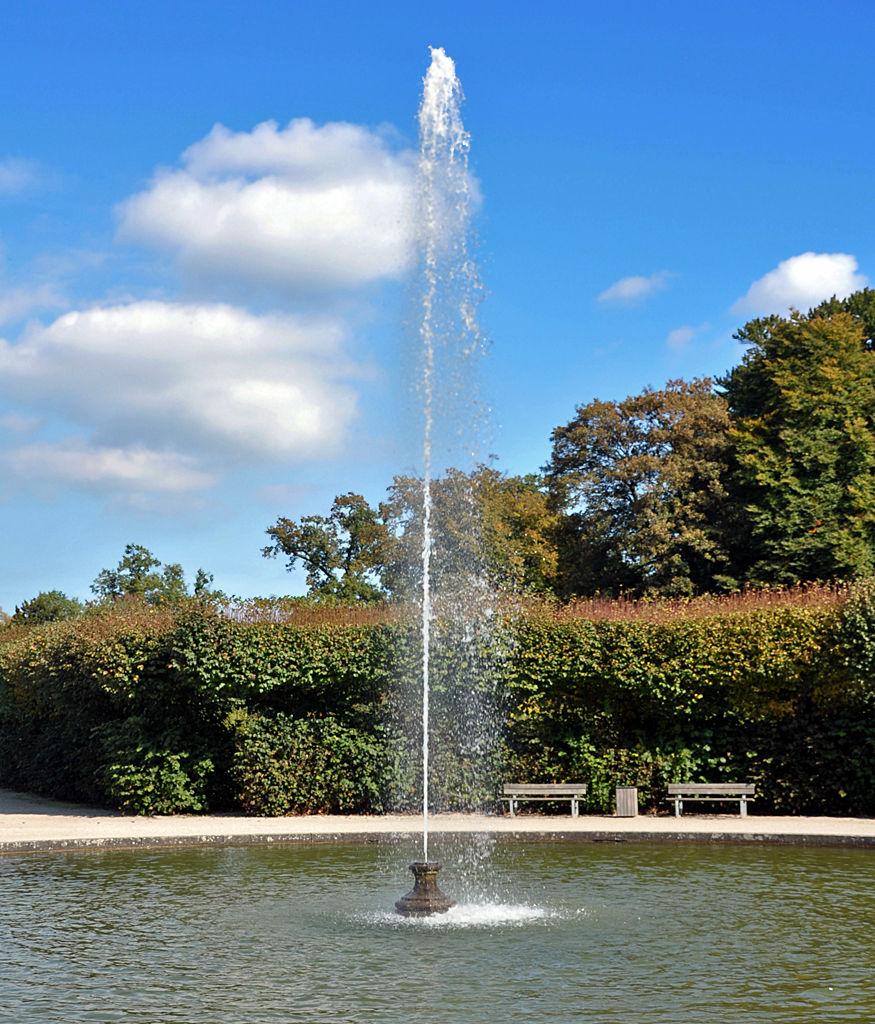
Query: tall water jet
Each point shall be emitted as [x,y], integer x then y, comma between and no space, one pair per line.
[450,341]
[450,288]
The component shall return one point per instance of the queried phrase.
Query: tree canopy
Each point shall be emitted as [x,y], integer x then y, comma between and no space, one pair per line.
[48,606]
[141,574]
[484,523]
[345,554]
[766,476]
[642,487]
[803,433]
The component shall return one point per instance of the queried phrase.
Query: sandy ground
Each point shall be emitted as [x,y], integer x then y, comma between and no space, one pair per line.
[28,823]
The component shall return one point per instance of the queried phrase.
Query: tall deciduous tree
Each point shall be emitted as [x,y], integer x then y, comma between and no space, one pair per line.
[642,484]
[344,553]
[484,524]
[803,406]
[141,574]
[48,606]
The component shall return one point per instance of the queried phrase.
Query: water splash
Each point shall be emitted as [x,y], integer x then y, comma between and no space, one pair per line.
[473,915]
[449,297]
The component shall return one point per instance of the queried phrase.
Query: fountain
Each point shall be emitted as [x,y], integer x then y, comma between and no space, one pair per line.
[446,313]
[425,898]
[264,933]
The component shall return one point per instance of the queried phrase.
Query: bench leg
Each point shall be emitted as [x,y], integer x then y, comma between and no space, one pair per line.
[573,808]
[678,806]
[743,803]
[511,806]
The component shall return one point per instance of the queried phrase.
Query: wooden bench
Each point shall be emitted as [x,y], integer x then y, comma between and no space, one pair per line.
[573,791]
[680,791]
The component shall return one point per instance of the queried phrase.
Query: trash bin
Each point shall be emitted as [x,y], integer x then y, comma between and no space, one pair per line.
[627,801]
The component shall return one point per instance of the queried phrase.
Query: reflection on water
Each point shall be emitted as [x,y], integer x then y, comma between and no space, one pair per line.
[543,932]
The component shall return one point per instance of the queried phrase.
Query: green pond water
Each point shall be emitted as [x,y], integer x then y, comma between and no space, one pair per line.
[544,932]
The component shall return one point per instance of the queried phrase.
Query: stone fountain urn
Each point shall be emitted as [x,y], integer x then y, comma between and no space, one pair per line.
[424,899]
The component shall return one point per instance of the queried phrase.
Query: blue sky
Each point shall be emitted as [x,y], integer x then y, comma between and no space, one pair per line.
[201,327]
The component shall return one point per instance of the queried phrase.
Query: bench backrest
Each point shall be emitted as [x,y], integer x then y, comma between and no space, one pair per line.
[548,789]
[711,789]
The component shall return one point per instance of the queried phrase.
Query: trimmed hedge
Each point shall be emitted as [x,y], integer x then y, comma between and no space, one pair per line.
[289,765]
[159,712]
[142,709]
[774,697]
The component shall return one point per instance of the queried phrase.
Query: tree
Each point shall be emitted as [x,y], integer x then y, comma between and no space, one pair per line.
[138,574]
[519,530]
[483,524]
[344,554]
[203,587]
[642,487]
[860,305]
[803,407]
[748,387]
[48,606]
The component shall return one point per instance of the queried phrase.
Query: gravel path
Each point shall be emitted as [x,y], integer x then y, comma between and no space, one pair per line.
[28,823]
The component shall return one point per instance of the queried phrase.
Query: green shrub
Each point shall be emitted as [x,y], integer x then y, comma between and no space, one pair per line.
[285,765]
[181,709]
[781,697]
[144,772]
[157,782]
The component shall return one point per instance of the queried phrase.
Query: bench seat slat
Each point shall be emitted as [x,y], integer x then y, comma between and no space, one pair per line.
[559,789]
[732,797]
[687,795]
[711,789]
[528,796]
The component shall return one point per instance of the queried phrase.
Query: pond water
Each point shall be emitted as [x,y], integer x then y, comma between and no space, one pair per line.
[543,932]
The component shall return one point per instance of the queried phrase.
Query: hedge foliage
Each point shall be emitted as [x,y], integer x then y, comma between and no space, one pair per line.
[287,765]
[774,697]
[184,711]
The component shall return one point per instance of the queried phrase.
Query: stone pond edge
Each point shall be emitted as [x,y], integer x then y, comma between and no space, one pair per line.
[316,838]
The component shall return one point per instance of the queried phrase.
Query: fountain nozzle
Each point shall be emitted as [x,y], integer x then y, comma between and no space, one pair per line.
[425,898]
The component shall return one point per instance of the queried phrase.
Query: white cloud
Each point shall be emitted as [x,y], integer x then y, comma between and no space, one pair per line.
[17,175]
[801,282]
[635,289]
[16,303]
[161,397]
[20,424]
[174,392]
[296,208]
[134,467]
[680,338]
